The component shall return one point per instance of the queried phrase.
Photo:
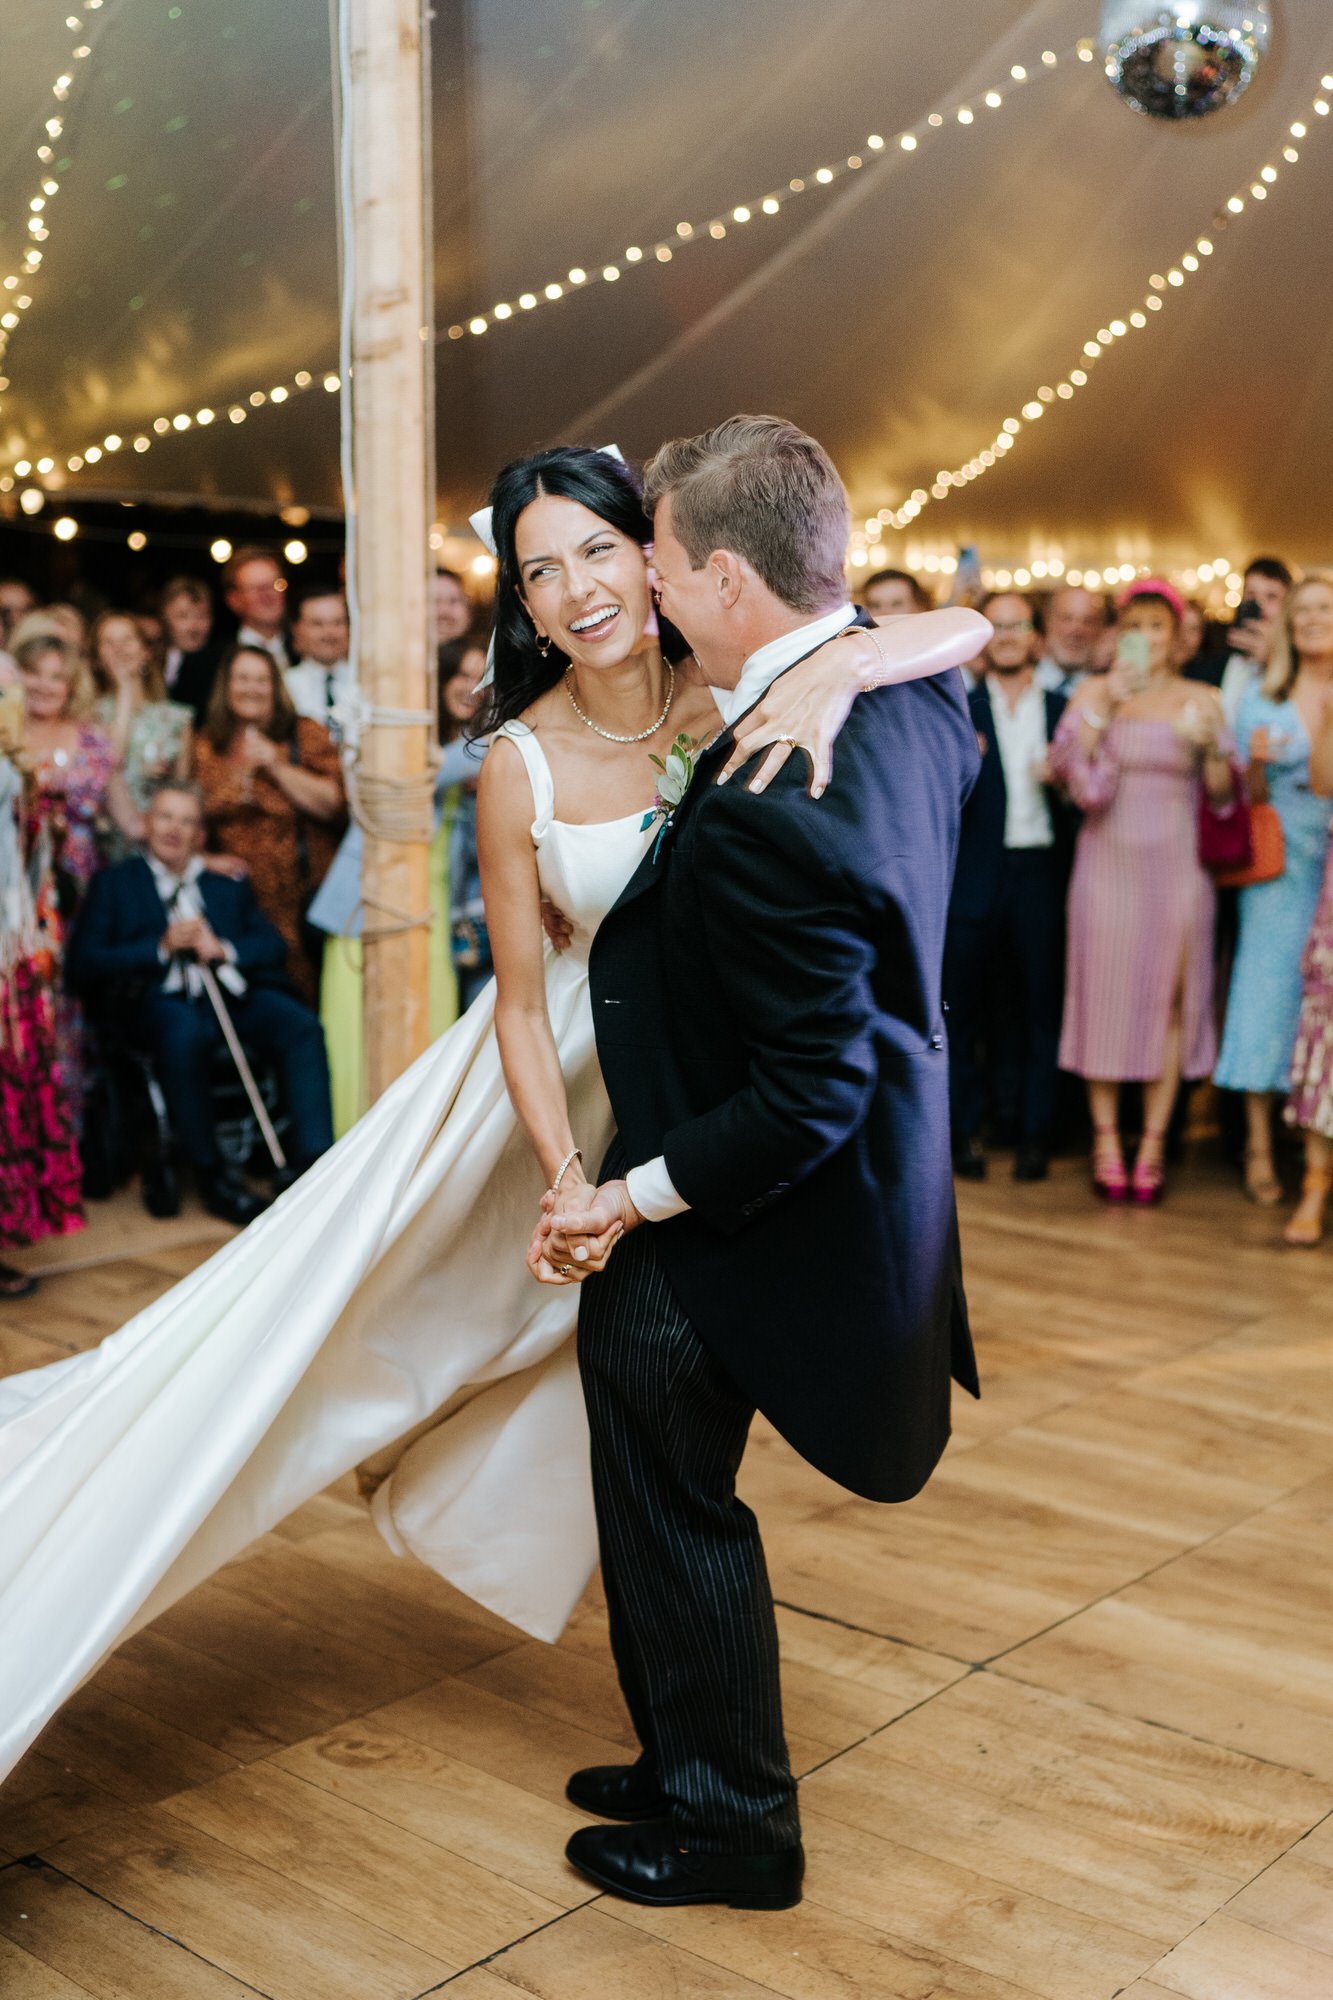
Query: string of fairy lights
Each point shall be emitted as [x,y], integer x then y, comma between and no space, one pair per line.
[910,140]
[1161,288]
[755,208]
[867,541]
[15,292]
[33,498]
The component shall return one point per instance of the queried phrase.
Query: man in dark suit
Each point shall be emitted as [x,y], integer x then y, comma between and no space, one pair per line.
[193,649]
[1237,659]
[1004,954]
[766,997]
[147,923]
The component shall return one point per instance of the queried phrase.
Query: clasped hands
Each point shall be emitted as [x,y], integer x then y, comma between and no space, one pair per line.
[194,935]
[578,1229]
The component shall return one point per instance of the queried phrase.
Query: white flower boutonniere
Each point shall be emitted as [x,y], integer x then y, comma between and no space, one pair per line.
[675,775]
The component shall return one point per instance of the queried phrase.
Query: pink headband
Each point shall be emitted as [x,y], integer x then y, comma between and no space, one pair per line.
[1153,586]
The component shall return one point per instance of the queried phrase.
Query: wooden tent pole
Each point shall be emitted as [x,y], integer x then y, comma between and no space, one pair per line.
[388,245]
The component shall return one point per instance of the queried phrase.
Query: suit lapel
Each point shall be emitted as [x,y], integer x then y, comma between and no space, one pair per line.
[145,889]
[710,761]
[652,868]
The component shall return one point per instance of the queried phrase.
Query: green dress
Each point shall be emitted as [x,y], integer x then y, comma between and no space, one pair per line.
[340,994]
[156,738]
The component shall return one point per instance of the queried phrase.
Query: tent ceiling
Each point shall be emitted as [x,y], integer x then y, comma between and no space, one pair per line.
[901,315]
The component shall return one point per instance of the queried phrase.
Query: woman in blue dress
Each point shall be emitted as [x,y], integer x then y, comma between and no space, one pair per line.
[1277,721]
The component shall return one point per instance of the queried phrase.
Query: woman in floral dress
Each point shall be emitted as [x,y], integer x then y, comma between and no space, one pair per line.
[75,784]
[1310,1106]
[39,1160]
[150,734]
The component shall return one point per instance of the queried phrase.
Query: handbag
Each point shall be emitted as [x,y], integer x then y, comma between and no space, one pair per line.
[1224,831]
[1267,845]
[1268,851]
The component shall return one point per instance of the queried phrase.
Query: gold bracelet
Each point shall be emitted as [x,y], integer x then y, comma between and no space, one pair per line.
[565,1166]
[872,633]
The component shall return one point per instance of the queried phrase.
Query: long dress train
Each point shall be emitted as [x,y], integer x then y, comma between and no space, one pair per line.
[381,1307]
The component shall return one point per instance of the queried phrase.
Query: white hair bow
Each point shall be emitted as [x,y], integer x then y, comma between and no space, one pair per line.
[485,533]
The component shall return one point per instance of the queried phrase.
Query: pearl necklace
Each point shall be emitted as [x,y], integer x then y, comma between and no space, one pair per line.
[610,736]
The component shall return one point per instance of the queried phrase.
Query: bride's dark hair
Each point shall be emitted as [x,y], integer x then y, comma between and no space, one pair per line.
[607,488]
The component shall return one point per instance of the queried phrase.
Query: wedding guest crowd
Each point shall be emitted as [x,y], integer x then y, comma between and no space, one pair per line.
[1190,779]
[1093,945]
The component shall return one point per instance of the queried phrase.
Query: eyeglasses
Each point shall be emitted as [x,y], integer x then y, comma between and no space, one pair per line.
[1023,625]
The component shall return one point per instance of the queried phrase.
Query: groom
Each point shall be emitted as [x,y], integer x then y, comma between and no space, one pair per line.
[766,997]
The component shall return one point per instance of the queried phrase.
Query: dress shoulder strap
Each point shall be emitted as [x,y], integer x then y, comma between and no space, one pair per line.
[529,749]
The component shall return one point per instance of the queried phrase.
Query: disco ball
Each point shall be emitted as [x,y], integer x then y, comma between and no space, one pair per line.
[1186,60]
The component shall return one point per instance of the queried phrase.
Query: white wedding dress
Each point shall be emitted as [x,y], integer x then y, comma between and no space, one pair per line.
[381,1310]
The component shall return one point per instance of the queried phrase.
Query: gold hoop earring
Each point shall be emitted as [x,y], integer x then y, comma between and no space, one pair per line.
[543,643]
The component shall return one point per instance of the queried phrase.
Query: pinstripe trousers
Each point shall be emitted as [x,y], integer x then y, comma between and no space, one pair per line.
[691,1612]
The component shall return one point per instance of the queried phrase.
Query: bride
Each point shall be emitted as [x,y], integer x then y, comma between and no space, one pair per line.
[381,1315]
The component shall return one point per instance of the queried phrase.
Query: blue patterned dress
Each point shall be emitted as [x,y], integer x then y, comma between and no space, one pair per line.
[1264,1005]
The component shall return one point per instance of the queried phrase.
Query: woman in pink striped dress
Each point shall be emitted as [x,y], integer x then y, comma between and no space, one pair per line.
[1133,749]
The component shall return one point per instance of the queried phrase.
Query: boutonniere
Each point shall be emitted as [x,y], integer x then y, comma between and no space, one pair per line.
[675,775]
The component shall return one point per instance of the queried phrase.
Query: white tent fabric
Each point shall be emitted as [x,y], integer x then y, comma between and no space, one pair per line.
[901,314]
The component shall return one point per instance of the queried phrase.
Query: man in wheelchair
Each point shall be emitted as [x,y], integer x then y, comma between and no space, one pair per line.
[146,927]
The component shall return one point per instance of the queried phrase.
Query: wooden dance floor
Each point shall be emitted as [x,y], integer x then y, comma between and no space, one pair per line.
[1066,1721]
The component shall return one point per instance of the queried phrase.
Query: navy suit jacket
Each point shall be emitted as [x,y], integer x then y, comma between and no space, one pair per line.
[981,842]
[123,921]
[766,996]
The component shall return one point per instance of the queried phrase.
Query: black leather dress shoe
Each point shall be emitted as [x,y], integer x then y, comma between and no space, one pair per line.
[618,1791]
[225,1194]
[646,1864]
[969,1162]
[161,1188]
[1030,1164]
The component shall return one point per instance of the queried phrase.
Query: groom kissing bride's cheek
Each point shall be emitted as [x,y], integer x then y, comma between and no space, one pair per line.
[766,1003]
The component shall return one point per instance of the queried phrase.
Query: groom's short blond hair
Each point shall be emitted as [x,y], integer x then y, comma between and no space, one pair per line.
[763,489]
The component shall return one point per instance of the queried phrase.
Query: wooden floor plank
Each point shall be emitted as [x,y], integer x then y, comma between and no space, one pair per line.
[920,1899]
[589,1956]
[335,1673]
[1229,1960]
[813,1953]
[501,1827]
[1233,1642]
[1293,1899]
[247,1919]
[364,1863]
[329,1775]
[43,1801]
[507,1738]
[97,1949]
[224,1706]
[23,1977]
[1079,1764]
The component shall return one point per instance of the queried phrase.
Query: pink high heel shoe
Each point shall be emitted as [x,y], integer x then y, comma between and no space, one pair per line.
[1109,1179]
[1149,1182]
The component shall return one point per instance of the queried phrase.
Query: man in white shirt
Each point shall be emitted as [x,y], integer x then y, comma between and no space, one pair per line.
[1003,965]
[255,590]
[321,681]
[1075,623]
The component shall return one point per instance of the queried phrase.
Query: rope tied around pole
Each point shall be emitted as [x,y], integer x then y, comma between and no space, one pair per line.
[400,811]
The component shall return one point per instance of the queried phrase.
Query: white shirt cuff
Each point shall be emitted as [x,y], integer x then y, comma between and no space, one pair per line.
[653,1192]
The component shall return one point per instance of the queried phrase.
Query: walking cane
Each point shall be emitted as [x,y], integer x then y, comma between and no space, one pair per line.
[237,1053]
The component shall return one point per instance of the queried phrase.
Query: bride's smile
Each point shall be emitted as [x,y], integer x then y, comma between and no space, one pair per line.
[583,583]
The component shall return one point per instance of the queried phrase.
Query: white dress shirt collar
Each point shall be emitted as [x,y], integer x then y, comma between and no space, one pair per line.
[168,884]
[763,667]
[181,898]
